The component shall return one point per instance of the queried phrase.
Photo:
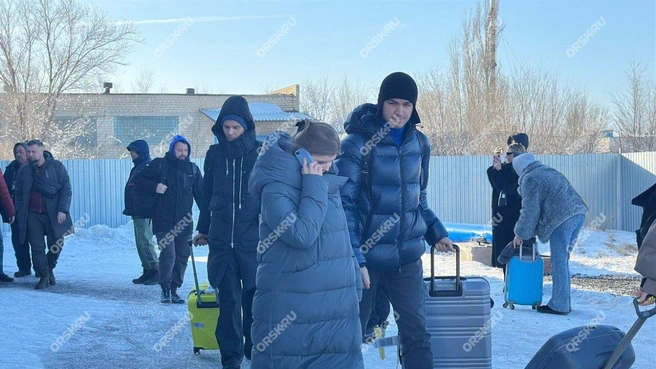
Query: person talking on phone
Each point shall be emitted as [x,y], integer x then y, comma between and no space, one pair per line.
[230,227]
[506,201]
[307,278]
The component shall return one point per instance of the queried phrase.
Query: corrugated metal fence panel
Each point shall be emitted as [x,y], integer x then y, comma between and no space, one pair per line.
[98,187]
[458,189]
[637,174]
[593,177]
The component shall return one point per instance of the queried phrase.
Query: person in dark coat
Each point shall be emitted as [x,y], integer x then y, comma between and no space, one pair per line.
[646,263]
[506,201]
[43,198]
[178,182]
[21,249]
[387,209]
[8,213]
[305,311]
[142,223]
[231,225]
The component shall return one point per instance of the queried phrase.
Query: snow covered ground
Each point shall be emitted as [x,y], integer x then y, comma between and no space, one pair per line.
[112,323]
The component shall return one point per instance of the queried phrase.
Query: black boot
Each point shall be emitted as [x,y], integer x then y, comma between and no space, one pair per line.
[175,298]
[5,278]
[43,283]
[51,278]
[22,273]
[152,277]
[141,279]
[166,296]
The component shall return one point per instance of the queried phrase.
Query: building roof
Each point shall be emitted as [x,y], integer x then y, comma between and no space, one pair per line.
[262,112]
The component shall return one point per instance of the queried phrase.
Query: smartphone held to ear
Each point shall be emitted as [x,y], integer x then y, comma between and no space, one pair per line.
[303,154]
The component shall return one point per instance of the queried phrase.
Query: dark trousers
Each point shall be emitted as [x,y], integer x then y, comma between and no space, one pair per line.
[379,312]
[247,305]
[21,250]
[173,258]
[223,273]
[38,227]
[405,290]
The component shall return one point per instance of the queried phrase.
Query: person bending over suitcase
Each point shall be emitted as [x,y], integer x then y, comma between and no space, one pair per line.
[554,211]
[305,310]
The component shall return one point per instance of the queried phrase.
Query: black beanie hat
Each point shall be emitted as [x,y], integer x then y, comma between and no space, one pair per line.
[399,85]
[520,138]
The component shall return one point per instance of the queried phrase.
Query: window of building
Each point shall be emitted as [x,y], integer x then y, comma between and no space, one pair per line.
[154,130]
[81,131]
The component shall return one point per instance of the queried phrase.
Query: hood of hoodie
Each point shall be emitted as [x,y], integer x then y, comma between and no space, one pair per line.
[233,105]
[279,164]
[142,149]
[243,144]
[363,119]
[175,140]
[521,163]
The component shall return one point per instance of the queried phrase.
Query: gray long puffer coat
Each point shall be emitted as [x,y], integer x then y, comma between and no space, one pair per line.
[305,310]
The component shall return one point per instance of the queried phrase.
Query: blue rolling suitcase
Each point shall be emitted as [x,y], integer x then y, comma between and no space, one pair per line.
[458,319]
[524,279]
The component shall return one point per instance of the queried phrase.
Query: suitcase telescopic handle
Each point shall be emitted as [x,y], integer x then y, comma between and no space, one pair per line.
[642,318]
[458,288]
[193,265]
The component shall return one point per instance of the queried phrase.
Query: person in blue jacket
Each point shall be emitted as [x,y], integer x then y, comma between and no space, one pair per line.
[305,309]
[386,160]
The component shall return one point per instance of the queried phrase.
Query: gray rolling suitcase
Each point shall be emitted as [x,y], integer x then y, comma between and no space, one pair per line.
[458,319]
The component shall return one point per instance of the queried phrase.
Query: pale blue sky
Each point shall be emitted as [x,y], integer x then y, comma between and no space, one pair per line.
[219,50]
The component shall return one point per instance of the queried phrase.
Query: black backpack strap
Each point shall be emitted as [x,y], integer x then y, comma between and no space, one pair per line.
[163,170]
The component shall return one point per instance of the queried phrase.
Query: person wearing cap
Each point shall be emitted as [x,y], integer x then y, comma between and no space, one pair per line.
[21,249]
[386,160]
[230,225]
[554,211]
[141,221]
[178,183]
[506,202]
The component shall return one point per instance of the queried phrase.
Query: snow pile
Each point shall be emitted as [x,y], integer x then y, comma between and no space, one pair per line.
[96,318]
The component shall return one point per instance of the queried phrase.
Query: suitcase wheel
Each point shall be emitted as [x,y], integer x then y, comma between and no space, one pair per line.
[535,306]
[509,306]
[196,350]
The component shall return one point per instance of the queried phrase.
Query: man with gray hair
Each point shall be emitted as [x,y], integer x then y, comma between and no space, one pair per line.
[43,199]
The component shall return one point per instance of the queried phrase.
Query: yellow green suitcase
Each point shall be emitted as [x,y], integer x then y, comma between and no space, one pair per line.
[203,313]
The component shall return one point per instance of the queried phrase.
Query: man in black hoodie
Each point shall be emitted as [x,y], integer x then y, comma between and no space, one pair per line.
[43,199]
[232,227]
[21,249]
[136,208]
[177,183]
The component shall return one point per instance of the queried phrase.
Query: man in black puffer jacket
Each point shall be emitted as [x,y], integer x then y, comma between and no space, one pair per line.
[386,161]
[232,228]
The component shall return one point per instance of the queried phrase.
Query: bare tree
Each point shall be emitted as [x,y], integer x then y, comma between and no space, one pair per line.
[634,112]
[48,47]
[145,81]
[348,95]
[317,96]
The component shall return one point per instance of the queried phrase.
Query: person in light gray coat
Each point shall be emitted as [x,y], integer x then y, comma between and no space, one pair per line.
[554,211]
[305,309]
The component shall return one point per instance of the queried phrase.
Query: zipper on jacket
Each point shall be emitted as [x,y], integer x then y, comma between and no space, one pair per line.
[241,179]
[402,220]
[232,227]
